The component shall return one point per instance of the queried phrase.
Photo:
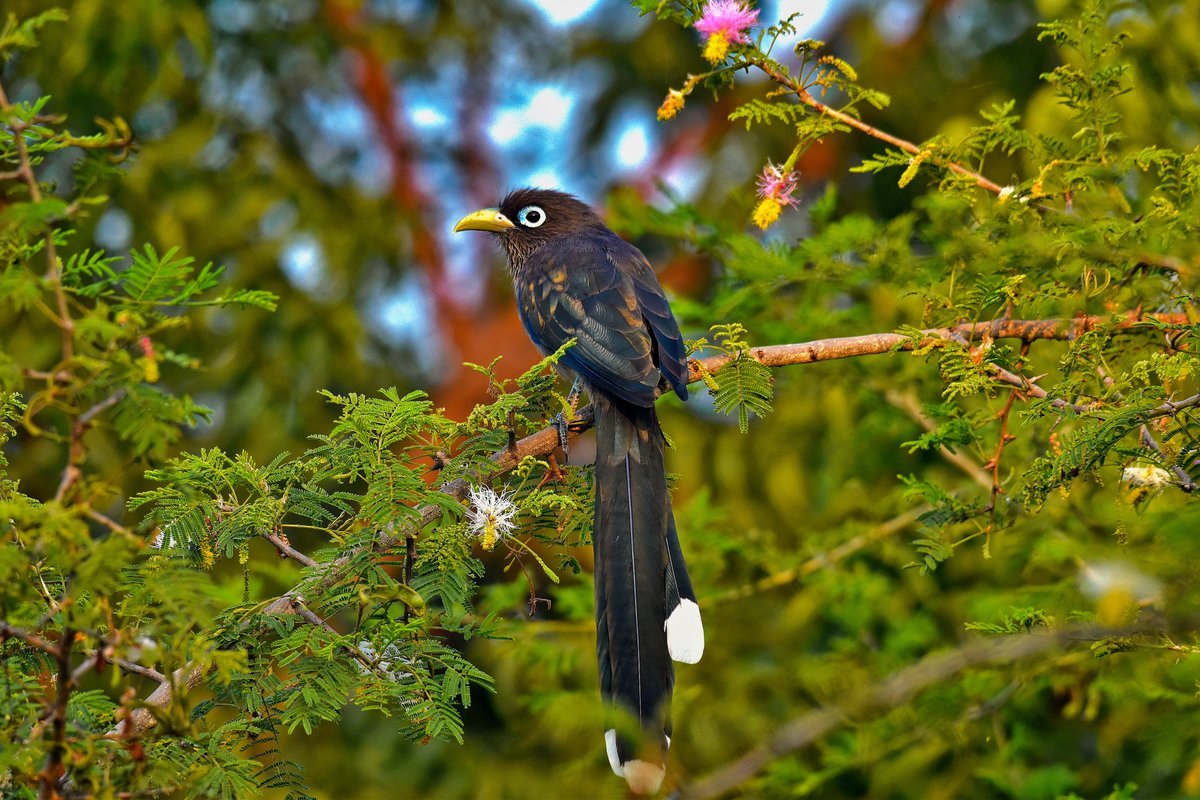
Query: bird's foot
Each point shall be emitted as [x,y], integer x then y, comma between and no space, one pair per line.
[553,473]
[562,422]
[573,395]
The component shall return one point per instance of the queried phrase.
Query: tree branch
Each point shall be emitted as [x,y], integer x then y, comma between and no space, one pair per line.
[1185,481]
[141,720]
[106,521]
[138,669]
[76,453]
[893,692]
[286,550]
[53,273]
[8,631]
[1028,330]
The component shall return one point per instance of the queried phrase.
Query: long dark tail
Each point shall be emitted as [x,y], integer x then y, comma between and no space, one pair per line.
[645,608]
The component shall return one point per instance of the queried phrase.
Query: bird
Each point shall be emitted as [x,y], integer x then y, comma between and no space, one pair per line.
[574,278]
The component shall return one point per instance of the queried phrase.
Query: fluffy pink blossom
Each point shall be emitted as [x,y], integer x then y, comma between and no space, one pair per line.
[777,185]
[723,23]
[775,188]
[728,17]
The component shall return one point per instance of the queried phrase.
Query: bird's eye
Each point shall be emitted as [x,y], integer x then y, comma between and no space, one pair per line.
[531,216]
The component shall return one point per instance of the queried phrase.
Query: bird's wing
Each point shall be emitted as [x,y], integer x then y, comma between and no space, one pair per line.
[670,353]
[574,288]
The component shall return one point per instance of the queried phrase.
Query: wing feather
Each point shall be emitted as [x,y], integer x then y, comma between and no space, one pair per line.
[600,290]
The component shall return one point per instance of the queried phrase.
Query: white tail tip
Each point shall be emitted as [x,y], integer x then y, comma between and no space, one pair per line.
[685,633]
[643,777]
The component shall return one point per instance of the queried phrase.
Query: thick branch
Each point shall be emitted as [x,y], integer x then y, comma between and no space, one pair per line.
[141,720]
[1028,330]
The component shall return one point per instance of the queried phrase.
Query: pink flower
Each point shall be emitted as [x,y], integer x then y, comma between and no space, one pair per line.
[728,17]
[777,185]
[775,188]
[723,23]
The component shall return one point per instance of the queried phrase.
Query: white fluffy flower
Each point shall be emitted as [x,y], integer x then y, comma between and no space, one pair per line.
[1146,475]
[491,515]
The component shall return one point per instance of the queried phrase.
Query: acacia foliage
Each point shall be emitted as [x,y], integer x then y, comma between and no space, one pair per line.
[1084,516]
[1073,464]
[96,614]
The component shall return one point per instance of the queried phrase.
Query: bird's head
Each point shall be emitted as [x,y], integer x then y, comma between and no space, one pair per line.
[529,218]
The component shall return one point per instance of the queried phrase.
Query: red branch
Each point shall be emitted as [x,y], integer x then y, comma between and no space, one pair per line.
[379,95]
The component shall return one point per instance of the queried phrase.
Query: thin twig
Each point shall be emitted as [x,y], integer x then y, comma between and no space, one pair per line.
[1029,386]
[76,452]
[821,560]
[52,770]
[1185,481]
[138,669]
[8,631]
[993,463]
[907,402]
[806,97]
[106,521]
[53,273]
[305,613]
[62,376]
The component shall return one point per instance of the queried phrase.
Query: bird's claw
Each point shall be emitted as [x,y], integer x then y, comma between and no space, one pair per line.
[560,422]
[553,473]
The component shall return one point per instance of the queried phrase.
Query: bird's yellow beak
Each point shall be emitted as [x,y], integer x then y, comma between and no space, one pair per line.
[486,219]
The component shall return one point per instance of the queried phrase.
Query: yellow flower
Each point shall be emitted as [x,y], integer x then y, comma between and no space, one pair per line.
[149,361]
[766,212]
[149,369]
[717,48]
[671,105]
[723,23]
